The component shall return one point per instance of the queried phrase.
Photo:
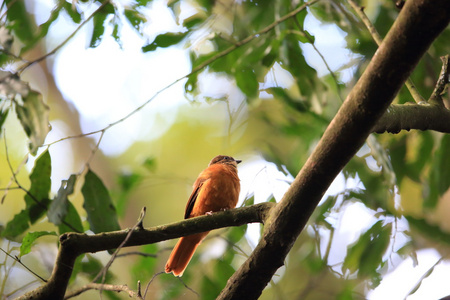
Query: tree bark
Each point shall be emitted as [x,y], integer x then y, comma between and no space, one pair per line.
[418,24]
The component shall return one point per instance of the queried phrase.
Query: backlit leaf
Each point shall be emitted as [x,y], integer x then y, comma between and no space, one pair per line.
[247,82]
[37,200]
[29,239]
[101,213]
[33,114]
[58,207]
[439,181]
[20,20]
[17,225]
[99,24]
[164,41]
[72,221]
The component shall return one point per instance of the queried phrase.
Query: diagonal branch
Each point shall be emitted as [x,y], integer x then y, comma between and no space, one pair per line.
[414,116]
[409,38]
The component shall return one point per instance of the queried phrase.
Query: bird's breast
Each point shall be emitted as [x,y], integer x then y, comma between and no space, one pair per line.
[219,192]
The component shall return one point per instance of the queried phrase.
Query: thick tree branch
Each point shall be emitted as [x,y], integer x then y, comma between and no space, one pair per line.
[74,244]
[414,116]
[418,24]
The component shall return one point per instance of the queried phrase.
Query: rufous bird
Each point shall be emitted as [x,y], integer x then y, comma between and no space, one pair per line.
[216,188]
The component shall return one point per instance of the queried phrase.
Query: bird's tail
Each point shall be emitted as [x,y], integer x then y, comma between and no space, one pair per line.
[182,253]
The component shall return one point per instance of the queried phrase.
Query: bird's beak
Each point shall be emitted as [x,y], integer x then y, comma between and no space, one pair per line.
[238,161]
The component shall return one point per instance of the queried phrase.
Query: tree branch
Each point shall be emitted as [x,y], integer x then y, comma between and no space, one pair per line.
[410,36]
[105,287]
[415,116]
[74,244]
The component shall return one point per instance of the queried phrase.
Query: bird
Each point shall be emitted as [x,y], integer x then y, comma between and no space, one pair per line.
[216,188]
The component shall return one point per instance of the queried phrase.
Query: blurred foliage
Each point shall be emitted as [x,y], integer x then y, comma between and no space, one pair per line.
[401,181]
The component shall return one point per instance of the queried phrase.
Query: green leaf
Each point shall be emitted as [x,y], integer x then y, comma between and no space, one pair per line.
[71,222]
[116,32]
[142,2]
[43,28]
[324,210]
[101,213]
[373,255]
[127,183]
[235,234]
[295,63]
[33,115]
[58,207]
[365,256]
[424,155]
[29,239]
[247,82]
[3,116]
[223,272]
[150,164]
[193,21]
[72,11]
[164,41]
[439,181]
[20,20]
[99,24]
[280,93]
[209,287]
[145,265]
[37,198]
[429,231]
[17,225]
[135,18]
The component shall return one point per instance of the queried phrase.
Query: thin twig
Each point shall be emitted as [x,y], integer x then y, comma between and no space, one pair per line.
[377,38]
[443,80]
[303,34]
[113,256]
[186,286]
[137,253]
[94,150]
[151,280]
[19,186]
[25,66]
[105,287]
[23,265]
[197,69]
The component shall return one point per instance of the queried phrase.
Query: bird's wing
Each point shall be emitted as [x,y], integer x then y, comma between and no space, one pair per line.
[197,187]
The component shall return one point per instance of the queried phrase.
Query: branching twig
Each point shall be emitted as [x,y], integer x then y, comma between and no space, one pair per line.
[150,282]
[27,65]
[377,38]
[197,69]
[443,80]
[303,34]
[113,257]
